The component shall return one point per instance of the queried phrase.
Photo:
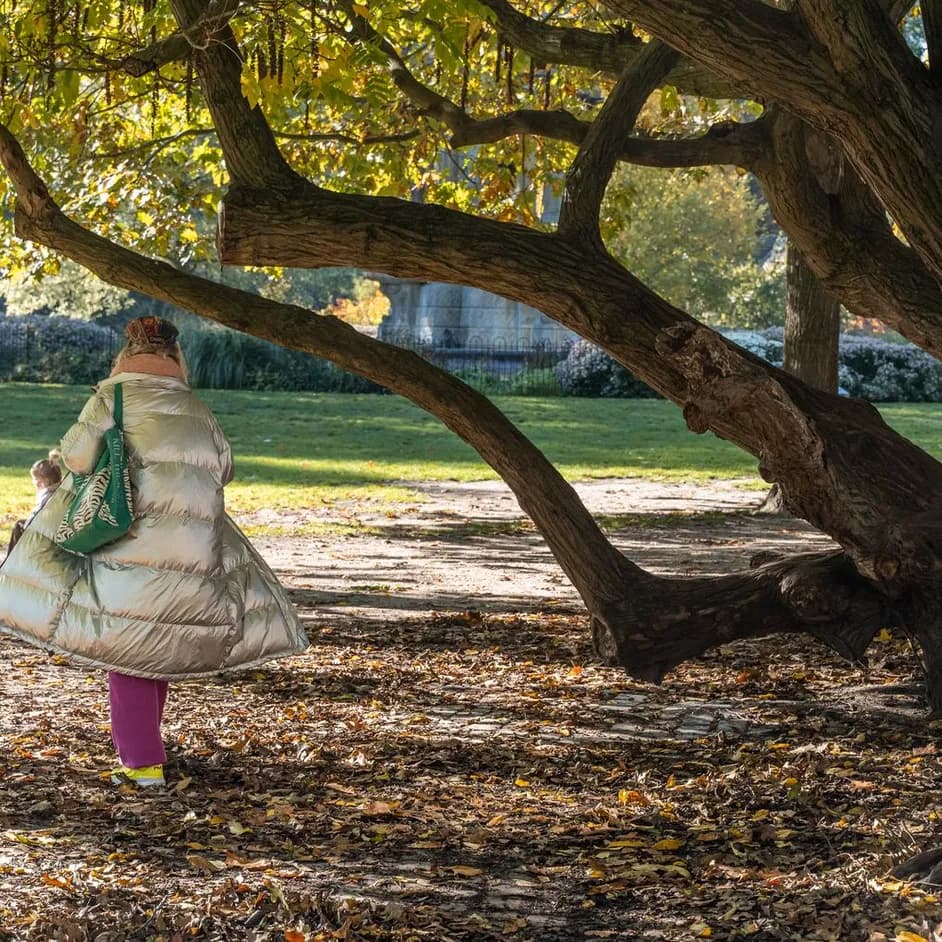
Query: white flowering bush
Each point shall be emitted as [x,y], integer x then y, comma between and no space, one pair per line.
[868,367]
[589,371]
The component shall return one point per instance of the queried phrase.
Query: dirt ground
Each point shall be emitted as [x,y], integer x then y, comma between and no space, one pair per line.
[468,545]
[447,761]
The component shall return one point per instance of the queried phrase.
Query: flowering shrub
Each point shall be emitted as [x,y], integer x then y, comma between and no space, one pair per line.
[888,372]
[588,371]
[868,367]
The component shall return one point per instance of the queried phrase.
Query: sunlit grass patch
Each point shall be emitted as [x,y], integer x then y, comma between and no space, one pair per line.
[310,451]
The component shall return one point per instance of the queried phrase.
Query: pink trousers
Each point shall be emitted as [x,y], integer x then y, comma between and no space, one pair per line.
[137,707]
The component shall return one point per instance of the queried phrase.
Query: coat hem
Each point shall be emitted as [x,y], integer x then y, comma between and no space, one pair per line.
[80,660]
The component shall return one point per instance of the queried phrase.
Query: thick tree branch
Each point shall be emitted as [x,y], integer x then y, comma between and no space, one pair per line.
[844,235]
[932,27]
[180,45]
[590,172]
[729,39]
[729,142]
[597,51]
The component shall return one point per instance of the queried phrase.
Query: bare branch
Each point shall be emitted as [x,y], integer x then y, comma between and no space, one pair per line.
[419,94]
[600,52]
[180,45]
[590,172]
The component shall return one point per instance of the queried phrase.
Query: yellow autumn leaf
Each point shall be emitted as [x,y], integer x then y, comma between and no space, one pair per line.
[628,796]
[521,783]
[885,635]
[701,930]
[906,936]
[668,843]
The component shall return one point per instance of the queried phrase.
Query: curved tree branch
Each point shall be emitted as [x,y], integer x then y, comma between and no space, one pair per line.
[180,45]
[590,172]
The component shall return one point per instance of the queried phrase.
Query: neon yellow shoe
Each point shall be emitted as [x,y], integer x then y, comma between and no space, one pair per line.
[148,776]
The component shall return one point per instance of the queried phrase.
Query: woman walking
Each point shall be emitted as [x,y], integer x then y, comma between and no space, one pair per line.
[183,594]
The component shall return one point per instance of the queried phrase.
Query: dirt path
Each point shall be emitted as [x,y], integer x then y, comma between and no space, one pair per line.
[468,546]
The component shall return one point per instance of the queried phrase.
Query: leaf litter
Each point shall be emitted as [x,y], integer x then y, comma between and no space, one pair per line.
[474,776]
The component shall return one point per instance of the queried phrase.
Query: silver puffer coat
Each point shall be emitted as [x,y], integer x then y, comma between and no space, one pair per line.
[183,594]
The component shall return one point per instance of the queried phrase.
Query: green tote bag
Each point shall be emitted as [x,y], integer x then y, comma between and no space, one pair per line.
[101,510]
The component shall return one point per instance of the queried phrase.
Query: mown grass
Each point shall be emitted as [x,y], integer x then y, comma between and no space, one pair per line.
[304,450]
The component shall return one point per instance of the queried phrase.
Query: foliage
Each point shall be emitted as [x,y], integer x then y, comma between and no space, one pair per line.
[71,291]
[768,344]
[589,371]
[883,371]
[41,349]
[692,236]
[220,358]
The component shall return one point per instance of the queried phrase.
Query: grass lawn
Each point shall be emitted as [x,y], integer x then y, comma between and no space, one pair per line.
[303,449]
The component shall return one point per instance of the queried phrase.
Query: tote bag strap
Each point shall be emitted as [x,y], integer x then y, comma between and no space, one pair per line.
[118,407]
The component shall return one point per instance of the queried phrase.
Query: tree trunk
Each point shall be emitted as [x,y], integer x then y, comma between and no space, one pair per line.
[812,334]
[812,326]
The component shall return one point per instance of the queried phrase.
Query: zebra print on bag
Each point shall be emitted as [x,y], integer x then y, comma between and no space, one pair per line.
[91,505]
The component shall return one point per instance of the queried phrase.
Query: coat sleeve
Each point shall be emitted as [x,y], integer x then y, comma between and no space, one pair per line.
[83,444]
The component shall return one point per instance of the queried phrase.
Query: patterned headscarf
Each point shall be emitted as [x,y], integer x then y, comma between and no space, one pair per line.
[150,332]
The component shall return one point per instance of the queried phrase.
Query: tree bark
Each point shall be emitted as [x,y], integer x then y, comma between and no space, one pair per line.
[812,326]
[812,334]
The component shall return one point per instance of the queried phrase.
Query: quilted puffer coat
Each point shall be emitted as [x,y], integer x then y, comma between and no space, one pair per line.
[183,593]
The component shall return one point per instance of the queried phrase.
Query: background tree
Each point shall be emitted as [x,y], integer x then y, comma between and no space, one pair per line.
[363,101]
